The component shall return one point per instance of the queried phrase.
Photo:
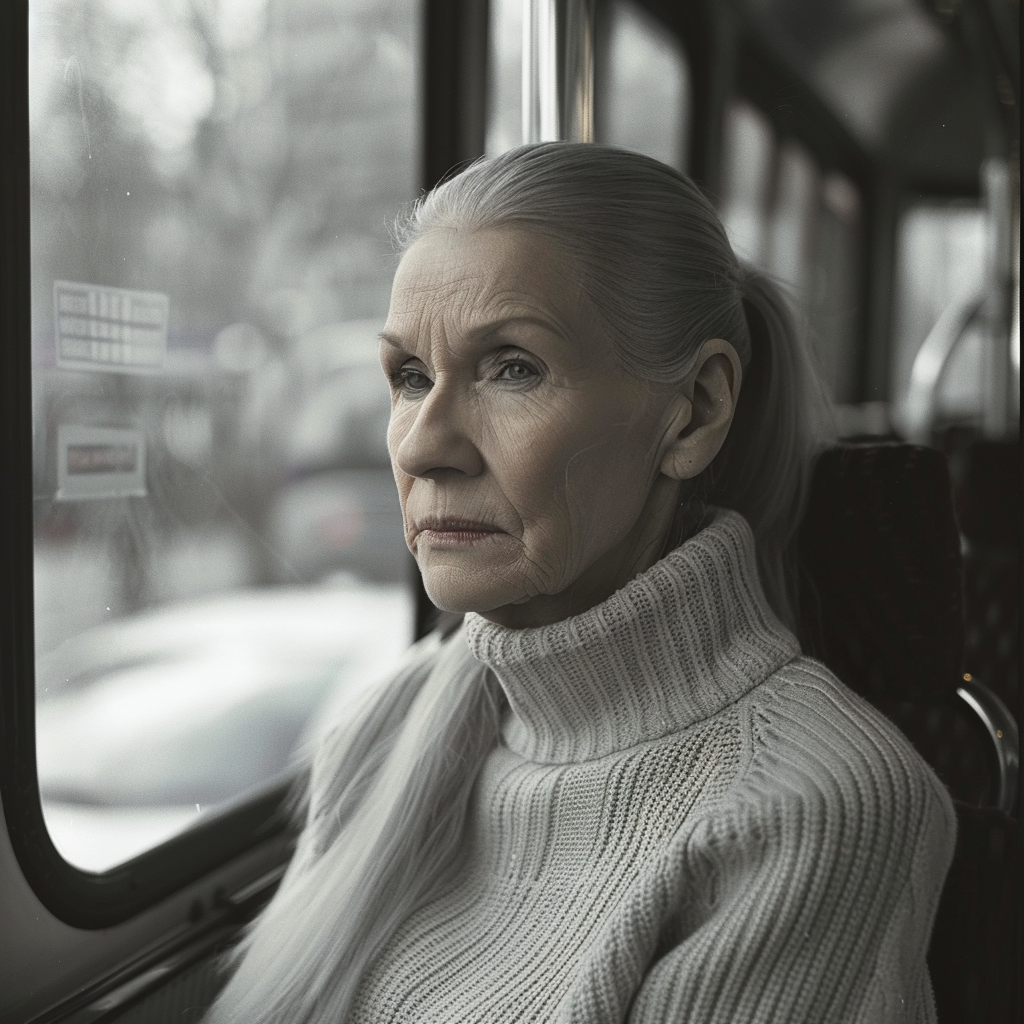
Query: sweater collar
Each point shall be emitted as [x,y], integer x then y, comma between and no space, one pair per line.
[673,647]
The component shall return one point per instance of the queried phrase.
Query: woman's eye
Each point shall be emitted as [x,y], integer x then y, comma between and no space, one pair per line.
[516,370]
[410,380]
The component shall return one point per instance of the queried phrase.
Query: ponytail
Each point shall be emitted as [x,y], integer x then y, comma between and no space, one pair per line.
[783,419]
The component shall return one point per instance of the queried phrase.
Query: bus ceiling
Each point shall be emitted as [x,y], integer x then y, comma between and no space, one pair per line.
[928,88]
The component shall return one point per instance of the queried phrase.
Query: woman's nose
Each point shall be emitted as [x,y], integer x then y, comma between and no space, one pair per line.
[439,437]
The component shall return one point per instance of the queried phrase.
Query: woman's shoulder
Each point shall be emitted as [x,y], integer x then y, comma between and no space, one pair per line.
[818,870]
[822,751]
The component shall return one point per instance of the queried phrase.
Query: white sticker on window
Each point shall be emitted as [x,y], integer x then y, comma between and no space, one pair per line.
[99,462]
[112,329]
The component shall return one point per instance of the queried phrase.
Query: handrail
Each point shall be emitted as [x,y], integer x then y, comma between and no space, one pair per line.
[578,54]
[1001,727]
[558,70]
[931,359]
[540,71]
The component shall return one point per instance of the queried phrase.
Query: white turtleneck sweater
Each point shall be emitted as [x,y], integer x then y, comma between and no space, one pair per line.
[685,821]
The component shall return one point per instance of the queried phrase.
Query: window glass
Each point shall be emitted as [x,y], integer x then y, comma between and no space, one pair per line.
[644,90]
[219,552]
[790,227]
[940,268]
[835,281]
[791,219]
[748,169]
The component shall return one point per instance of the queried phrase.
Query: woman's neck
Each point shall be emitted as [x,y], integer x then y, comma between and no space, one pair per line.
[675,645]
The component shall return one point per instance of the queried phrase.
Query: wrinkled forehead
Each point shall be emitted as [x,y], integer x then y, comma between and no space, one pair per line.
[470,275]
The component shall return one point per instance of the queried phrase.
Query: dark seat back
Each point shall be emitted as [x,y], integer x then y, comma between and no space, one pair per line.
[881,599]
[881,594]
[881,604]
[986,490]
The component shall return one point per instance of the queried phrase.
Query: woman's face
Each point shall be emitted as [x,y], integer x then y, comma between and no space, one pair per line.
[527,462]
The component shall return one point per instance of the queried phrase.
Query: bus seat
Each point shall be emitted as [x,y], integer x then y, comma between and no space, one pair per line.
[986,489]
[881,598]
[881,604]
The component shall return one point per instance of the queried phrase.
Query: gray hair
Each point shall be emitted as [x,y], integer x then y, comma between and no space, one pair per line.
[389,790]
[651,254]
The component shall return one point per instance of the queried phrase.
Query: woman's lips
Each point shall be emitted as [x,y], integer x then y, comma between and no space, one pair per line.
[455,533]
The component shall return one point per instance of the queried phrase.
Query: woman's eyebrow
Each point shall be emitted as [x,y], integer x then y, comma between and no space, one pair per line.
[485,330]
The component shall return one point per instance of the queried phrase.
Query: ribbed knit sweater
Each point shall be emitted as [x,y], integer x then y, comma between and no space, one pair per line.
[685,821]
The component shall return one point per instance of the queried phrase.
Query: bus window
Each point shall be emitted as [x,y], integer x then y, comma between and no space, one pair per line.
[940,271]
[792,216]
[955,359]
[219,551]
[645,87]
[836,283]
[802,225]
[747,187]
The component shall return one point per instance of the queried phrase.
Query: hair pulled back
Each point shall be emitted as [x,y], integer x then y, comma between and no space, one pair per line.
[650,252]
[390,788]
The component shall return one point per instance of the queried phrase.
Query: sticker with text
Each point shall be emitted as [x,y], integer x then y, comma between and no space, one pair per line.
[100,462]
[111,329]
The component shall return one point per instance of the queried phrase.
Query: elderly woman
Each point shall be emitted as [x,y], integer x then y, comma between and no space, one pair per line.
[618,792]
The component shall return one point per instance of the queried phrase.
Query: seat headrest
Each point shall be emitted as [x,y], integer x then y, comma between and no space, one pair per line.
[880,571]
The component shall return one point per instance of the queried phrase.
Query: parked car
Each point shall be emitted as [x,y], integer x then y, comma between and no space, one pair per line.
[146,723]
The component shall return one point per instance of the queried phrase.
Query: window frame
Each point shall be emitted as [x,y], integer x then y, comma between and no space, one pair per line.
[453,63]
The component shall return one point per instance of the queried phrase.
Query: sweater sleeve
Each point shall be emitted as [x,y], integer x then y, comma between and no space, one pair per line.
[818,877]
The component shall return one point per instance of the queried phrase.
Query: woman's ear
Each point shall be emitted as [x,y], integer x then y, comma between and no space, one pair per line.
[709,394]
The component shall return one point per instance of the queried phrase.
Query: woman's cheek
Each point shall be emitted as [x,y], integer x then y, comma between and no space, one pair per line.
[401,422]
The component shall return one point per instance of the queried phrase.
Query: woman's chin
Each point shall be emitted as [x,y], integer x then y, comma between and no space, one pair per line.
[460,590]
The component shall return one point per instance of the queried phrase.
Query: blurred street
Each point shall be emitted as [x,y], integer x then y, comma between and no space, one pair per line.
[77,585]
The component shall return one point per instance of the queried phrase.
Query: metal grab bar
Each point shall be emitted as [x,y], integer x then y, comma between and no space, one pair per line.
[558,62]
[578,53]
[1001,727]
[540,71]
[931,359]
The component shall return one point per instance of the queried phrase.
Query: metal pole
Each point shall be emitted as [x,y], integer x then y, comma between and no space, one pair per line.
[554,68]
[540,71]
[997,196]
[578,55]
